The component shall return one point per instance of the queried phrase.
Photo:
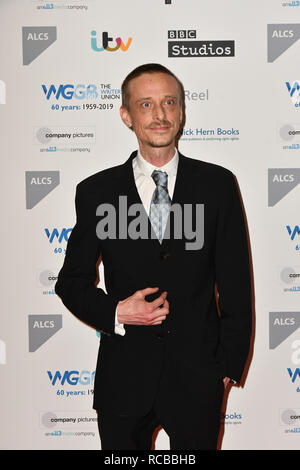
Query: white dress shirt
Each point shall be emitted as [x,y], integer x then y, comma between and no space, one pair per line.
[142,171]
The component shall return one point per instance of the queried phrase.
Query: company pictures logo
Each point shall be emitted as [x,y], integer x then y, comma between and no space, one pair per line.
[183,43]
[46,279]
[35,40]
[290,275]
[280,38]
[290,133]
[106,43]
[294,92]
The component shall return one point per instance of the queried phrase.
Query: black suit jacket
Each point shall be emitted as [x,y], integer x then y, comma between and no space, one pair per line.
[207,331]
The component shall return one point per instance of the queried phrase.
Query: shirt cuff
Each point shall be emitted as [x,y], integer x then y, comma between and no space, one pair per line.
[119,327]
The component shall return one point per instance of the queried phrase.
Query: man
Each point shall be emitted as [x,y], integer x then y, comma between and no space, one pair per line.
[176,315]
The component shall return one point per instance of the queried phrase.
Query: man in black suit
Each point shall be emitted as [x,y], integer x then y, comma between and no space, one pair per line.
[176,315]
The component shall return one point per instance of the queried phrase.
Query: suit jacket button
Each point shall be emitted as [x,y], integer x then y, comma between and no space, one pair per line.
[164,255]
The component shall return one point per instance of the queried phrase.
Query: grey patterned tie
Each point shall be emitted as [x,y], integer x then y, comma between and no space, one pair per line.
[160,203]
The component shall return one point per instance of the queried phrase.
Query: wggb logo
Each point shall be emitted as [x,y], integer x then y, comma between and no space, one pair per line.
[293,231]
[70,91]
[294,92]
[61,236]
[293,373]
[71,377]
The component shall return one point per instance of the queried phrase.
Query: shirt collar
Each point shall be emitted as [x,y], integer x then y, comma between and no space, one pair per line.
[147,168]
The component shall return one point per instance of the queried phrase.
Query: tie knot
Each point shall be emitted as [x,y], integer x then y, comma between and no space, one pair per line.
[160,178]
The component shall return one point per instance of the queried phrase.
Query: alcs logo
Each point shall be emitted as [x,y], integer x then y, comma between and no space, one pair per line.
[106,40]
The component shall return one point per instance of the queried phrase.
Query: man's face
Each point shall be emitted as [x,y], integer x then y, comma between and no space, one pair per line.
[154,112]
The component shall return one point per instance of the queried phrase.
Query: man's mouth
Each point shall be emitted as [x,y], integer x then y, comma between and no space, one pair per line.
[159,127]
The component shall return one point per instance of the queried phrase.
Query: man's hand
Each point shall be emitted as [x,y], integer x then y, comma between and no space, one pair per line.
[135,310]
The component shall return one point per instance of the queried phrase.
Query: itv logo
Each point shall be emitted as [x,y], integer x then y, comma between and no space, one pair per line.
[106,40]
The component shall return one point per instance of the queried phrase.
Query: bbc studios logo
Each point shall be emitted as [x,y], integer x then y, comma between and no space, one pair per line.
[184,43]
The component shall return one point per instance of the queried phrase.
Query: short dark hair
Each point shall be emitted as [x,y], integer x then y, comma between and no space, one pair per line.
[148,68]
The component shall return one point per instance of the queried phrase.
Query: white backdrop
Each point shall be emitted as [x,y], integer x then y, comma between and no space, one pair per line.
[242,113]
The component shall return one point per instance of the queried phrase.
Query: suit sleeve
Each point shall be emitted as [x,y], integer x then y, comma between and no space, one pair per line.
[233,279]
[76,284]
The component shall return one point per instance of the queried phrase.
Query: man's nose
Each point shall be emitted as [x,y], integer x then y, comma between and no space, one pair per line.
[159,112]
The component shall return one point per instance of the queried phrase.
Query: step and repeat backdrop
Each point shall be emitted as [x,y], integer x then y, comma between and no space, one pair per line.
[62,65]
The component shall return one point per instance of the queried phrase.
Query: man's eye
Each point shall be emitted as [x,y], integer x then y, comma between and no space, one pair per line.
[170,102]
[146,104]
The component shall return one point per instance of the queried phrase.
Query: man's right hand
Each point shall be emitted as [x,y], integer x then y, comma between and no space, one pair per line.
[135,310]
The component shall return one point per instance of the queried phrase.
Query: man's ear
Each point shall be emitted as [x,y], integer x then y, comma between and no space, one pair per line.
[125,116]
